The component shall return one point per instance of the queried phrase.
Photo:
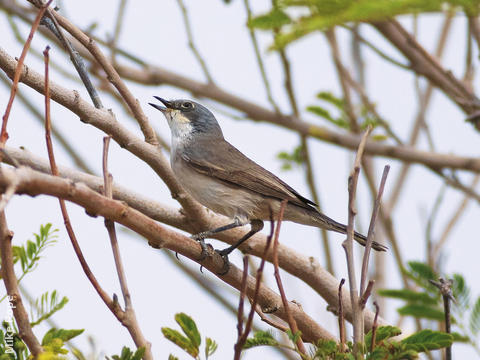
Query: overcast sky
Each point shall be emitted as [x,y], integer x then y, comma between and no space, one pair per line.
[155,31]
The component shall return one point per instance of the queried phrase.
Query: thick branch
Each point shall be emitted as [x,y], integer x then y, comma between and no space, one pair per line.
[34,183]
[152,75]
[303,267]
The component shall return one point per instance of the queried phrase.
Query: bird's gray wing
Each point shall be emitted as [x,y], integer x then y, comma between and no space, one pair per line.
[224,162]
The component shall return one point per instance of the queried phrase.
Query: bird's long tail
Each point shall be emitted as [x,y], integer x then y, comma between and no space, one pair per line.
[340,228]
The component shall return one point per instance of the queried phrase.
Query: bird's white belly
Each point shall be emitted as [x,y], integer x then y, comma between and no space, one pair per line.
[227,200]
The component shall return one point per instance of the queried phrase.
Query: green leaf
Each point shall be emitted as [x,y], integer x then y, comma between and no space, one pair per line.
[383,332]
[210,347]
[426,340]
[46,306]
[138,354]
[61,334]
[172,357]
[408,295]
[379,137]
[326,13]
[181,341]
[475,317]
[261,338]
[31,249]
[330,98]
[459,337]
[421,311]
[421,273]
[340,122]
[128,354]
[324,349]
[320,111]
[274,19]
[189,328]
[461,292]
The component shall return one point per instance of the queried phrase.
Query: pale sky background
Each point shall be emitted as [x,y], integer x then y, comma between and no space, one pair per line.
[155,31]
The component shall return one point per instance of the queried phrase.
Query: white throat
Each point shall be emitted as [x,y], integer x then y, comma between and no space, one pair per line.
[180,126]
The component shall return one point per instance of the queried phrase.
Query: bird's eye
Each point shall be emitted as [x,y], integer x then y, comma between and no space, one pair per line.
[187,105]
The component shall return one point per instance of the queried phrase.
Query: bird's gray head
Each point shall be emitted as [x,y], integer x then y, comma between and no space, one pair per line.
[187,118]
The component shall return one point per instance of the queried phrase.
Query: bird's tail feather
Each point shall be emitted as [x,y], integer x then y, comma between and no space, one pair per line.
[340,228]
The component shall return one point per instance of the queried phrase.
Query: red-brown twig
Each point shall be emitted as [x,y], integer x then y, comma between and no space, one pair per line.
[113,306]
[242,339]
[129,316]
[243,289]
[374,326]
[341,318]
[371,230]
[358,327]
[18,72]
[291,321]
[366,294]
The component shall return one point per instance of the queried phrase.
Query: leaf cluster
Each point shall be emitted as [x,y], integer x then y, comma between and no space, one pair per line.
[426,302]
[294,19]
[45,306]
[29,254]
[386,347]
[128,354]
[333,110]
[191,339]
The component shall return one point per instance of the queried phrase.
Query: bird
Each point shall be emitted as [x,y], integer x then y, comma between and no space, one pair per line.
[224,180]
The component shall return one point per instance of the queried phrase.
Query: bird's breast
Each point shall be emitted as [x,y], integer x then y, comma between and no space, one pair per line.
[222,198]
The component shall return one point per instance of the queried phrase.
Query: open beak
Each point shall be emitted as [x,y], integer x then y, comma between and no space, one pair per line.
[168,104]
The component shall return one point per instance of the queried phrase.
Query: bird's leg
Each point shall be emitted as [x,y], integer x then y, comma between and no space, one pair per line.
[203,235]
[256,226]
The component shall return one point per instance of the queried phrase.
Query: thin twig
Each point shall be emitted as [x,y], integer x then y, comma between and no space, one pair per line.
[69,149]
[260,63]
[242,339]
[130,318]
[243,289]
[376,50]
[270,322]
[11,286]
[424,102]
[366,294]
[18,72]
[191,44]
[112,74]
[118,28]
[445,287]
[291,321]
[305,155]
[374,327]
[111,304]
[341,317]
[371,230]
[453,220]
[76,59]
[358,327]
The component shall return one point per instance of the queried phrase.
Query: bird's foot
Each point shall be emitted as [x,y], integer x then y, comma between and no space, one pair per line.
[226,263]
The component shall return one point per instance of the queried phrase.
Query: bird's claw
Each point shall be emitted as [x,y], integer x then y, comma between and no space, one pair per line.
[226,262]
[205,248]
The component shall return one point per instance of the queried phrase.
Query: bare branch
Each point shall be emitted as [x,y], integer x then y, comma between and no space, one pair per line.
[358,320]
[18,73]
[129,317]
[34,183]
[290,319]
[371,230]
